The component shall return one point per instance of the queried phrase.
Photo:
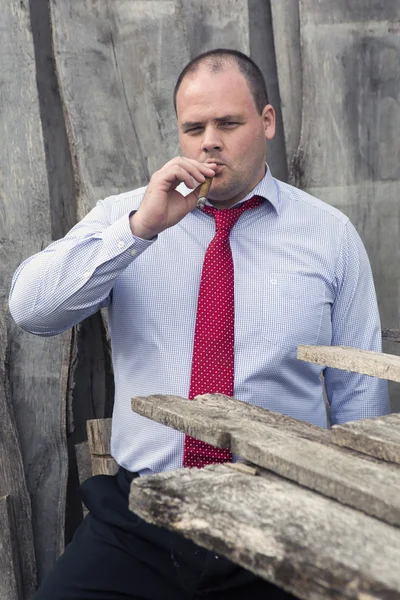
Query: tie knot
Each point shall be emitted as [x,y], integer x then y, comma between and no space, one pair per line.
[225,219]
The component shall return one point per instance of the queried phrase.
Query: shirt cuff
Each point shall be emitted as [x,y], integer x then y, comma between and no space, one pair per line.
[118,239]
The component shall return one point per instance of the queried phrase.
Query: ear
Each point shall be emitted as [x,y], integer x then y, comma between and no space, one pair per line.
[269,120]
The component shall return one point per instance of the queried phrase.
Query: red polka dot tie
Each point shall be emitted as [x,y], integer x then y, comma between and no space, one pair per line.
[213,351]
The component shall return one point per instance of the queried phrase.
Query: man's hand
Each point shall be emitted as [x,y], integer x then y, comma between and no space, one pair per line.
[162,206]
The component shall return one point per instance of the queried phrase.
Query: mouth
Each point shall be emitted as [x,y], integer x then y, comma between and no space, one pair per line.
[220,165]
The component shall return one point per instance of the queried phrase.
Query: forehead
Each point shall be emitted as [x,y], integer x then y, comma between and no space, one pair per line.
[203,91]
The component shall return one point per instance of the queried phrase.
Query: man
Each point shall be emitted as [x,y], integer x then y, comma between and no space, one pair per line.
[301,276]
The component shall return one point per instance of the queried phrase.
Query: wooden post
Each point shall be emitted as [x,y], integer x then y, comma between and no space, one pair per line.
[99,440]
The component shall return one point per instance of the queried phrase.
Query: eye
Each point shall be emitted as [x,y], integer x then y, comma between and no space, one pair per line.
[229,124]
[194,130]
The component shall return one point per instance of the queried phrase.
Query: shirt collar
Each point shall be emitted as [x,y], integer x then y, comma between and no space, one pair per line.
[266,189]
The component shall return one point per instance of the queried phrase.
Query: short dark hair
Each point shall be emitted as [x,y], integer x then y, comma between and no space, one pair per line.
[216,60]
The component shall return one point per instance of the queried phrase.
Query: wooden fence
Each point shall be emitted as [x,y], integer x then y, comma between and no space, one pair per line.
[86,112]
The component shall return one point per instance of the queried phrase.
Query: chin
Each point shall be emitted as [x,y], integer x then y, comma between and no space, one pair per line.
[222,195]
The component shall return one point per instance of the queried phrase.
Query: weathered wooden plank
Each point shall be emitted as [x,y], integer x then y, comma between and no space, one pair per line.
[38,377]
[350,135]
[116,71]
[379,437]
[305,543]
[169,408]
[10,587]
[99,436]
[23,180]
[13,482]
[329,470]
[286,32]
[206,22]
[376,364]
[35,366]
[104,465]
[99,441]
[262,51]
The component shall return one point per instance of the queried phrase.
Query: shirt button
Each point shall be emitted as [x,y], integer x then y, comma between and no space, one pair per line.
[87,274]
[273,282]
[121,244]
[133,252]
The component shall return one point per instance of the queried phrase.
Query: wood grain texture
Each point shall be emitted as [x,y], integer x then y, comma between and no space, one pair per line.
[286,34]
[13,485]
[99,436]
[38,376]
[99,441]
[305,543]
[262,51]
[35,367]
[244,429]
[212,25]
[104,465]
[116,73]
[10,584]
[350,137]
[375,364]
[379,437]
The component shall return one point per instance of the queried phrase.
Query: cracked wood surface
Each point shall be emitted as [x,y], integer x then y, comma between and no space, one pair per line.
[34,368]
[286,32]
[293,449]
[117,71]
[10,584]
[303,542]
[99,441]
[350,71]
[17,557]
[375,364]
[379,437]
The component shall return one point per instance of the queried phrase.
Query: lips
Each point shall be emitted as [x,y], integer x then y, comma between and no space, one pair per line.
[219,165]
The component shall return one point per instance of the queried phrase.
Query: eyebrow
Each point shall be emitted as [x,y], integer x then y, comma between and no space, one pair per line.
[189,124]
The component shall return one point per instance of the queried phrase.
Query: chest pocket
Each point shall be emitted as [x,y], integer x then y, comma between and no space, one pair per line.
[293,308]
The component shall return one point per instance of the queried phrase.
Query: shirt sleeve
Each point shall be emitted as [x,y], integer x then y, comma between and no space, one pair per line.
[355,323]
[73,277]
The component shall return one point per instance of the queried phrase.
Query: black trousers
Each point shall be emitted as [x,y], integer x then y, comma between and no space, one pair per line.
[115,555]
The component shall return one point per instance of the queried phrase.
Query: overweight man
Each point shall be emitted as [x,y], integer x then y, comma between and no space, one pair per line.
[201,300]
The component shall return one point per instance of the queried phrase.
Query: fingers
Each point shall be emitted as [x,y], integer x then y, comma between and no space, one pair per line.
[191,172]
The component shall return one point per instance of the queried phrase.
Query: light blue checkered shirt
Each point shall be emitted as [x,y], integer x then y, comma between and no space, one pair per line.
[302,276]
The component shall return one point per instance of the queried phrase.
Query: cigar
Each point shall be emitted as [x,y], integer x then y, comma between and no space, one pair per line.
[204,189]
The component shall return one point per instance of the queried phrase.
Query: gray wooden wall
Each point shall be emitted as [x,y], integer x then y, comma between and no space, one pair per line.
[86,111]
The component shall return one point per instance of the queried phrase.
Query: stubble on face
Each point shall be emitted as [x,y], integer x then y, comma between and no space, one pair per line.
[205,98]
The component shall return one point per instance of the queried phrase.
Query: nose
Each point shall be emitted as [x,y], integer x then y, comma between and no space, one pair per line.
[211,139]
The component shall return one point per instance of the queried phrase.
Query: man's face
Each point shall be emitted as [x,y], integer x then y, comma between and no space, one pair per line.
[219,122]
